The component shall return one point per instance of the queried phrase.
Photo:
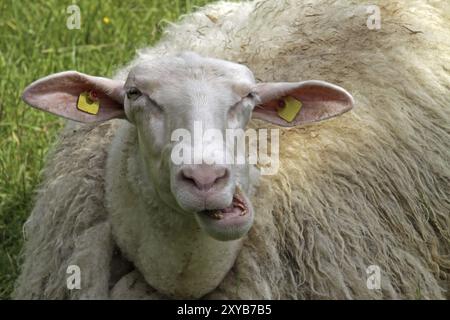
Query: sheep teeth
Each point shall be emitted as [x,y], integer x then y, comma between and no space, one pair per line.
[243,213]
[217,215]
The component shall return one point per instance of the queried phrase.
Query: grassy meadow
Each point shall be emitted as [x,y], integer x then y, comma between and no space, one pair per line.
[34,42]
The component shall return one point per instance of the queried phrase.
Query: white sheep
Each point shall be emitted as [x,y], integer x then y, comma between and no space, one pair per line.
[369,188]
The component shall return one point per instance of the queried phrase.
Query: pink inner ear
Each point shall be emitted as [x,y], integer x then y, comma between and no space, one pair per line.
[59,94]
[320,101]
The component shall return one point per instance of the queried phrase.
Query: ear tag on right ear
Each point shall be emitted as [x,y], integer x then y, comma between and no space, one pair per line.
[290,110]
[88,102]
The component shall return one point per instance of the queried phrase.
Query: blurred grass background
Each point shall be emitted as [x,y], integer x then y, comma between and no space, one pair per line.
[35,42]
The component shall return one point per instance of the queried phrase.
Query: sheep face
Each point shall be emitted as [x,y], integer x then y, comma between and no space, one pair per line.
[187,105]
[183,105]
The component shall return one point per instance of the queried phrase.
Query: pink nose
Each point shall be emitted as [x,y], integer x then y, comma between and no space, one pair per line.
[204,177]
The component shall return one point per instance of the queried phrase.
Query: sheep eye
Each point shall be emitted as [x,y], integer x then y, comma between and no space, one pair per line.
[251,95]
[133,93]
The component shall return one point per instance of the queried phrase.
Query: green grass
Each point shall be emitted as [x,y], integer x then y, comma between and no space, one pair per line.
[34,42]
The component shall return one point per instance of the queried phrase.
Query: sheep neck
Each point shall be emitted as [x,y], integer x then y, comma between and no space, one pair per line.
[168,247]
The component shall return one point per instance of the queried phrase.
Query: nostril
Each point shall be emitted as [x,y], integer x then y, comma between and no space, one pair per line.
[195,179]
[204,178]
[186,176]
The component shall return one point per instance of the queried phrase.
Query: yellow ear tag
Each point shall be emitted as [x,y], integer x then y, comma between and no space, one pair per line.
[290,110]
[88,102]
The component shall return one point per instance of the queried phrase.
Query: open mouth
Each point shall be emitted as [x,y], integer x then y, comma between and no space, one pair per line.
[238,208]
[228,223]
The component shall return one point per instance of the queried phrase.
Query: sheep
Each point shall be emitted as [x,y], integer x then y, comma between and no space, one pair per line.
[368,189]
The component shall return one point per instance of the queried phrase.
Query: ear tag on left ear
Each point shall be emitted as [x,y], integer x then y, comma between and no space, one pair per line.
[88,102]
[290,110]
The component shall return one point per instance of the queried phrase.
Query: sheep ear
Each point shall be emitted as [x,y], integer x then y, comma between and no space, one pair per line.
[60,93]
[319,101]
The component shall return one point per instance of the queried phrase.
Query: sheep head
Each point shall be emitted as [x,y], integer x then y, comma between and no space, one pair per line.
[188,93]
